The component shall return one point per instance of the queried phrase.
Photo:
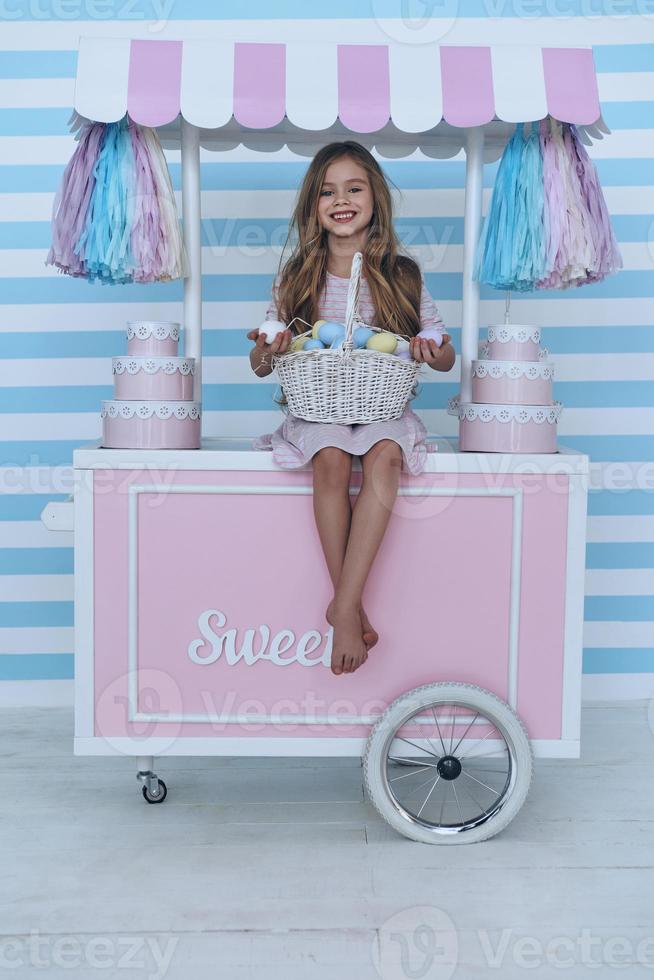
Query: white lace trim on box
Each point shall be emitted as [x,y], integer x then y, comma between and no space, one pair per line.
[512,369]
[151,365]
[505,413]
[513,331]
[485,354]
[159,329]
[145,410]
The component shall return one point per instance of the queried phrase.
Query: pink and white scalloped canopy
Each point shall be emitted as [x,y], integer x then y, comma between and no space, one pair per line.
[313,84]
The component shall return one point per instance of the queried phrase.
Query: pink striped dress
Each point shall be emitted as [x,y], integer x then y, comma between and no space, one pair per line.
[296,441]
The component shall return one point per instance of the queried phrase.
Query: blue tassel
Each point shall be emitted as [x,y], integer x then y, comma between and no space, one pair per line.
[105,241]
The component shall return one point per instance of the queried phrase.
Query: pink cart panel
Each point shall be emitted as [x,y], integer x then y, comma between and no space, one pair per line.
[201,620]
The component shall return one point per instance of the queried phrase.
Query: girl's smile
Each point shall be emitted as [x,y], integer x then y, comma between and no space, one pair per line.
[345,203]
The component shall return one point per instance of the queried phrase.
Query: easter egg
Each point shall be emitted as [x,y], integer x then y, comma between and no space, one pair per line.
[432,333]
[271,328]
[330,333]
[361,335]
[313,344]
[298,343]
[383,342]
[404,355]
[402,345]
[316,327]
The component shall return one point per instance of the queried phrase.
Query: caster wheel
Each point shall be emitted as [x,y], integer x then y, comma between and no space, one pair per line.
[448,763]
[161,795]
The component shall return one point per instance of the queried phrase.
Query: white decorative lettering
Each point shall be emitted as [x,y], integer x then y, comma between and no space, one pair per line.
[208,634]
[303,648]
[218,642]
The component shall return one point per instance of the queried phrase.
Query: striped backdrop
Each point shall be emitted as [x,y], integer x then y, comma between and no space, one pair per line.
[57,335]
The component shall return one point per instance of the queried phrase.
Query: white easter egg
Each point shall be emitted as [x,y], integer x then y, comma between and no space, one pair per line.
[271,329]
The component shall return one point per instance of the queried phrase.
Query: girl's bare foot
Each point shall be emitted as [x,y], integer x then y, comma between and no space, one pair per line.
[370,634]
[348,649]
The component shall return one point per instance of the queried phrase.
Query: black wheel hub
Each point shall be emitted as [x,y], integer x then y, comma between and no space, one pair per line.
[448,767]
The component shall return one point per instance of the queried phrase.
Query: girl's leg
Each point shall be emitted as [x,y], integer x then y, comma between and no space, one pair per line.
[332,468]
[332,471]
[381,476]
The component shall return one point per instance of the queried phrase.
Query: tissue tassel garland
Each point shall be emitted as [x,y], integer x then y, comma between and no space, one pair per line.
[547,226]
[115,217]
[72,201]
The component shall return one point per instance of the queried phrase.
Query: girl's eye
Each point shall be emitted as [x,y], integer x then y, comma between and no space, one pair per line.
[322,193]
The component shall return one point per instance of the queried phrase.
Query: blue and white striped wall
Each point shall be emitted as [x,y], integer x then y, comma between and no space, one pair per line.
[57,335]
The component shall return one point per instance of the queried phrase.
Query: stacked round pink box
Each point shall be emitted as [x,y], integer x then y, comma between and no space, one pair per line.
[512,410]
[153,407]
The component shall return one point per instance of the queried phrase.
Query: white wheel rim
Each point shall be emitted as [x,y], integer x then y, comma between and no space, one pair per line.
[451,770]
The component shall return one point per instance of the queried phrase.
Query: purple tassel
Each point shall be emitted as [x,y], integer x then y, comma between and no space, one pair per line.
[582,247]
[72,201]
[607,252]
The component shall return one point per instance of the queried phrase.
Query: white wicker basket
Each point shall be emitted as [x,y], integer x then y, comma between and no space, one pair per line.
[346,384]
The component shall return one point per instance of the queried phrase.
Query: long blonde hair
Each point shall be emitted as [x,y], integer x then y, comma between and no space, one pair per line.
[394,279]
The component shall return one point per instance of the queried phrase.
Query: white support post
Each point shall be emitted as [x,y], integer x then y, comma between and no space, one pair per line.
[191,215]
[474,146]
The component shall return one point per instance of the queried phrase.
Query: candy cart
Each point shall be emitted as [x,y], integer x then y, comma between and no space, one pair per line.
[200,585]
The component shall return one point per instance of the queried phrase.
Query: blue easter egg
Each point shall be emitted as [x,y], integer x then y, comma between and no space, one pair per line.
[314,344]
[361,335]
[331,332]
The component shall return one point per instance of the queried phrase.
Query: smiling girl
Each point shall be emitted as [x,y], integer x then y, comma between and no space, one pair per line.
[344,206]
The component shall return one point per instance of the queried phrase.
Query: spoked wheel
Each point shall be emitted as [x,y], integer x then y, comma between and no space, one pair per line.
[448,764]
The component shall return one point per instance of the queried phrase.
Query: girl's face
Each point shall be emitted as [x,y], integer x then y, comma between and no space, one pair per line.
[345,203]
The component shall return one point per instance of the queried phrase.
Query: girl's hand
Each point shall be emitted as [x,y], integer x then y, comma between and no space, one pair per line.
[426,352]
[279,345]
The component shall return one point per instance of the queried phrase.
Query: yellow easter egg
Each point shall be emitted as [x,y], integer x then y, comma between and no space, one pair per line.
[299,342]
[384,342]
[316,327]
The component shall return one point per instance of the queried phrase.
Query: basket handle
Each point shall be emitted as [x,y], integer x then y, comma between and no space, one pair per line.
[352,308]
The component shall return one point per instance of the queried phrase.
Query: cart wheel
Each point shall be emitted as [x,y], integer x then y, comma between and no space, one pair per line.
[161,795]
[448,763]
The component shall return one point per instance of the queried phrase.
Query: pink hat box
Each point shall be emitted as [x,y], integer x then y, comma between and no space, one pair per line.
[157,378]
[512,342]
[512,382]
[157,337]
[150,424]
[506,428]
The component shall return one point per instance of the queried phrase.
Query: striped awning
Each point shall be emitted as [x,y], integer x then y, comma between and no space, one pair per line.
[311,86]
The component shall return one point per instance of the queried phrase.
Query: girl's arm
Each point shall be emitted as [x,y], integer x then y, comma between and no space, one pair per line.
[439,358]
[260,355]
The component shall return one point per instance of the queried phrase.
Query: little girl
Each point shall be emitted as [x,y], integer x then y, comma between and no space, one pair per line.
[344,206]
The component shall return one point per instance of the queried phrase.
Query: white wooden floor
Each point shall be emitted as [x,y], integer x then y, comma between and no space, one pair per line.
[265,869]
